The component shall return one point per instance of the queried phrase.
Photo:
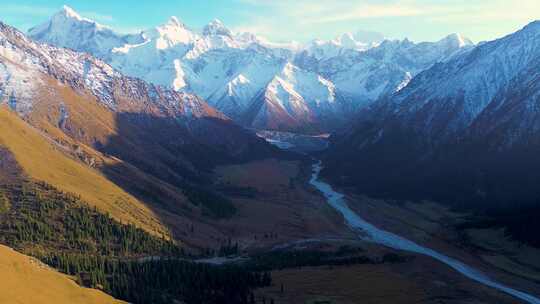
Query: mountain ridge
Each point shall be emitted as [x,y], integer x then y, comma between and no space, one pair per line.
[154,146]
[230,70]
[472,120]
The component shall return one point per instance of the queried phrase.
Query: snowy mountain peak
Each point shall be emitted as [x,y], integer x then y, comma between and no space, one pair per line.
[216,27]
[368,37]
[347,40]
[171,33]
[69,29]
[174,22]
[456,40]
[69,12]
[233,70]
[360,41]
[68,16]
[61,21]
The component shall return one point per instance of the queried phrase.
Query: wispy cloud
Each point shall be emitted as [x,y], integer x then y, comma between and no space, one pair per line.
[303,16]
[28,10]
[371,11]
[494,10]
[303,20]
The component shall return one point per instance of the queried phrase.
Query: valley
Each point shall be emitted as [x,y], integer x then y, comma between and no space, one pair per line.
[370,232]
[439,227]
[427,223]
[206,165]
[417,276]
[273,206]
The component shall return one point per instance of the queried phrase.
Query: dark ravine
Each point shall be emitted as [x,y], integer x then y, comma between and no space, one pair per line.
[376,235]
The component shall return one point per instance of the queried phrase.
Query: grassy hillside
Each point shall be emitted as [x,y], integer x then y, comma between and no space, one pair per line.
[25,280]
[36,219]
[63,232]
[41,160]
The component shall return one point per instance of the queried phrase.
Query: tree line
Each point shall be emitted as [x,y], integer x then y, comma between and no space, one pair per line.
[123,260]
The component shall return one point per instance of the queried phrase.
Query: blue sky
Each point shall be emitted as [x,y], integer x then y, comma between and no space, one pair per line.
[300,20]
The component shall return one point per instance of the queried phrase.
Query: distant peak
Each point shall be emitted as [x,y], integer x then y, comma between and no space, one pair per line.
[347,36]
[368,37]
[346,40]
[216,27]
[69,12]
[216,22]
[174,21]
[59,22]
[169,34]
[173,24]
[457,39]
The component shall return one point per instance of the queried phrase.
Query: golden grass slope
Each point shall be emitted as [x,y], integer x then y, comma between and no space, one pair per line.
[41,160]
[25,280]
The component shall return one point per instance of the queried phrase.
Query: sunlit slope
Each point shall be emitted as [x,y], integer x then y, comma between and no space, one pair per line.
[41,160]
[24,280]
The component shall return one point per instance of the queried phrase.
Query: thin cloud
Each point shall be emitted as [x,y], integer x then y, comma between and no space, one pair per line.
[528,10]
[372,11]
[311,12]
[44,11]
[303,20]
[28,10]
[278,19]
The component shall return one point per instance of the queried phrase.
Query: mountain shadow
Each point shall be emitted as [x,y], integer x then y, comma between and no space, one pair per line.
[168,163]
[468,174]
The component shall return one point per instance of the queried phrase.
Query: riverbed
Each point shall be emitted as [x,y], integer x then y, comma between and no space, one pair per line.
[371,233]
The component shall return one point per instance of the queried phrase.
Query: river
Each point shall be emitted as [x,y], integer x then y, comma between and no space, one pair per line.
[376,235]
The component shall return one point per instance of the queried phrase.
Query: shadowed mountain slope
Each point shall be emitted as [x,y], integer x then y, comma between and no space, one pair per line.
[466,132]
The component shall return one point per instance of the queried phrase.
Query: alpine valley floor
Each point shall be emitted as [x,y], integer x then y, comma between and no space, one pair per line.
[415,279]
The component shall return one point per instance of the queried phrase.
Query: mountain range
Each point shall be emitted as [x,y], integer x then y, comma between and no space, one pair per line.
[465,131]
[133,161]
[285,87]
[432,111]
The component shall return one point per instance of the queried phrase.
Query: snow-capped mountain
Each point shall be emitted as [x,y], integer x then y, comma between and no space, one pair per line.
[73,94]
[465,131]
[25,65]
[364,75]
[326,49]
[243,75]
[299,98]
[449,97]
[68,29]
